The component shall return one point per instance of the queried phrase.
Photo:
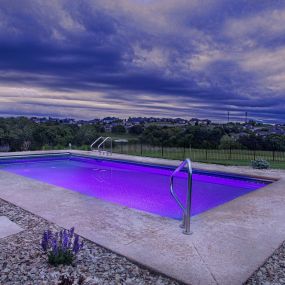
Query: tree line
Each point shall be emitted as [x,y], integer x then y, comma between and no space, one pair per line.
[22,133]
[205,137]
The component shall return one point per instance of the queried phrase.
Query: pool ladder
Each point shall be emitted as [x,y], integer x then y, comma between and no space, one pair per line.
[186,210]
[101,145]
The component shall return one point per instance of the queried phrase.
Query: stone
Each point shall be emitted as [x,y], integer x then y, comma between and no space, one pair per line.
[8,227]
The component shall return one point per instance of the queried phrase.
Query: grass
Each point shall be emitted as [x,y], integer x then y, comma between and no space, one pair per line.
[273,164]
[126,136]
[223,157]
[216,156]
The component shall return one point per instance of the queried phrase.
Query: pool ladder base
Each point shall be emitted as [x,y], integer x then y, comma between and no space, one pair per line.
[182,226]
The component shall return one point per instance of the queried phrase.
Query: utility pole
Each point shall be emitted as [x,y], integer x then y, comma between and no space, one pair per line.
[228,116]
[245,117]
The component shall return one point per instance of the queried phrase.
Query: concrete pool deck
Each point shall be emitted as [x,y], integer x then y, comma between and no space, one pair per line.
[227,245]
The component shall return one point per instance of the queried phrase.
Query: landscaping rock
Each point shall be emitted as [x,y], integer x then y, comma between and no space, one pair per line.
[23,262]
[272,271]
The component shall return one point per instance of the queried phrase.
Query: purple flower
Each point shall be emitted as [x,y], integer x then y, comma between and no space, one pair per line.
[65,241]
[54,246]
[71,232]
[62,242]
[45,241]
[76,245]
[60,237]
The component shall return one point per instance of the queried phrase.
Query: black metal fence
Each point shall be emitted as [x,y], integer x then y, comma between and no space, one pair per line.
[198,154]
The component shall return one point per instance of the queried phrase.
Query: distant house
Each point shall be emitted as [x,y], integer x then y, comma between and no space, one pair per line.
[194,121]
[236,136]
[108,128]
[205,122]
[109,120]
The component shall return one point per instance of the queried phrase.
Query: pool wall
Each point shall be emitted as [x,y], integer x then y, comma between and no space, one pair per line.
[120,182]
[159,163]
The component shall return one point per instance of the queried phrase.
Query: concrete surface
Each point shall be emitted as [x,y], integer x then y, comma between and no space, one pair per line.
[8,228]
[228,242]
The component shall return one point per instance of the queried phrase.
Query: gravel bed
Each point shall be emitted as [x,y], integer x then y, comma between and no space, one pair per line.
[272,272]
[23,262]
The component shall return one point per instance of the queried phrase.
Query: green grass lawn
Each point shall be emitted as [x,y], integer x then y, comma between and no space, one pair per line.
[273,164]
[224,157]
[120,136]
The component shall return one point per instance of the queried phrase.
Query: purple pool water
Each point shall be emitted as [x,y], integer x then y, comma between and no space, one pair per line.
[137,186]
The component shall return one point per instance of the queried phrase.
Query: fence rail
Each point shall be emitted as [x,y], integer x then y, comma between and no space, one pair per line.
[199,154]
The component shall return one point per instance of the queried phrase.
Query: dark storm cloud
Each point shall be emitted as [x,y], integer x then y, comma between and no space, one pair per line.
[197,58]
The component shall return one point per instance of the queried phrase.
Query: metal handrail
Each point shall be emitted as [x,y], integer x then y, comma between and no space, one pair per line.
[91,146]
[186,210]
[103,143]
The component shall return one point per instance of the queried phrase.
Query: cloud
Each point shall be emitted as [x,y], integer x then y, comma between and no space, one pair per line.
[177,58]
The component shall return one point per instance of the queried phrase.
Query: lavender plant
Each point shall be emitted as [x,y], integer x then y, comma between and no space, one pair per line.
[61,246]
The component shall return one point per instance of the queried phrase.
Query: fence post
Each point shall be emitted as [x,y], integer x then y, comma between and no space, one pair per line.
[184,150]
[162,150]
[230,153]
[273,155]
[141,149]
[206,154]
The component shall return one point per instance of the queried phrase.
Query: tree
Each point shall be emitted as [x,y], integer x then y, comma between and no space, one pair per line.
[252,141]
[136,129]
[227,142]
[86,134]
[119,129]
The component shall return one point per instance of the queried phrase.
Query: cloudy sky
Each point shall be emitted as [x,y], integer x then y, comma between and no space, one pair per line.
[172,58]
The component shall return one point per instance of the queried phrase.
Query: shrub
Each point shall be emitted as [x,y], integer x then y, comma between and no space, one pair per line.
[83,147]
[4,148]
[61,247]
[260,164]
[47,147]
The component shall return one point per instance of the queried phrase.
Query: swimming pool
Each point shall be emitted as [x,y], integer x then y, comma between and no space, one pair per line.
[140,186]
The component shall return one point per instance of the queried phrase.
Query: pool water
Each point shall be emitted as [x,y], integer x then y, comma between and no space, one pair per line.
[142,187]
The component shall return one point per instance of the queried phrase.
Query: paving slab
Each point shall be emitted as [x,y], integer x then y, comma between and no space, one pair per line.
[8,228]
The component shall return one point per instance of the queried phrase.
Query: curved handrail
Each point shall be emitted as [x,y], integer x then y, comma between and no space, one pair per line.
[103,142]
[91,146]
[105,139]
[186,210]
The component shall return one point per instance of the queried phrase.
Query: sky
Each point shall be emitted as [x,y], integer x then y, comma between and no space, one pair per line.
[170,58]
